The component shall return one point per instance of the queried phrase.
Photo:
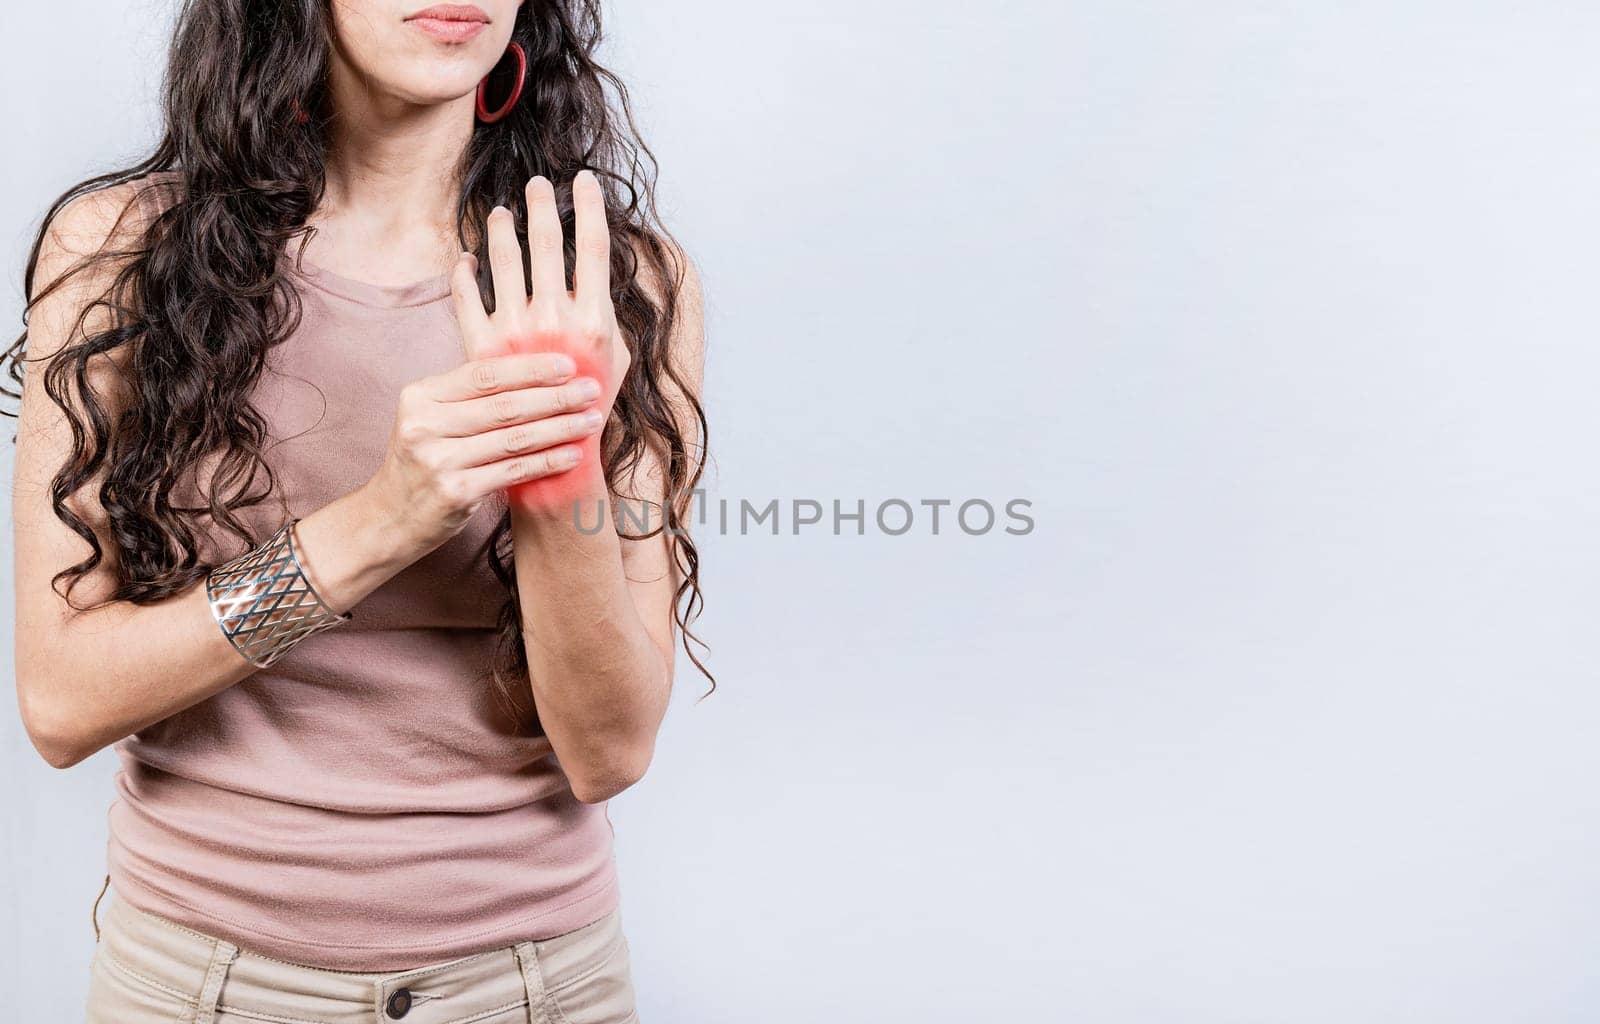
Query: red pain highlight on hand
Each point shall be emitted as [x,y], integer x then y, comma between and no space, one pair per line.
[586,478]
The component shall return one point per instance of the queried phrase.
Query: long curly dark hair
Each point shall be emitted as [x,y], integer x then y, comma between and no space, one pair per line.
[200,295]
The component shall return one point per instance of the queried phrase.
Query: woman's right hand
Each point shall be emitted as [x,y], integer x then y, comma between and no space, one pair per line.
[475,430]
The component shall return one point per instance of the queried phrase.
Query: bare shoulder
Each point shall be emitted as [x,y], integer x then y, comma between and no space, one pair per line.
[681,277]
[109,220]
[83,246]
[86,225]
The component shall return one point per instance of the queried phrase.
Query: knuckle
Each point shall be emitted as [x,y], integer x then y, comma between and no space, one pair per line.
[453,489]
[545,242]
[552,369]
[411,400]
[503,408]
[546,463]
[570,427]
[411,432]
[484,375]
[520,468]
[430,459]
[518,439]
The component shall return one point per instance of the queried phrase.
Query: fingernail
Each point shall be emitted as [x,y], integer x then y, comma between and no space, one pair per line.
[592,419]
[567,457]
[564,366]
[589,388]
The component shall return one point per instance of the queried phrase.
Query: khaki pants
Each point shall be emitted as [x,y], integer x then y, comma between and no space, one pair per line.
[149,970]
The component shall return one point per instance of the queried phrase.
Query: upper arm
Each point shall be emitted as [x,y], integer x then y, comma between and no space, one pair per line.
[651,565]
[62,312]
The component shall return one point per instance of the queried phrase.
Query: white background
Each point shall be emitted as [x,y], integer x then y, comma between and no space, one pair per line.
[1282,315]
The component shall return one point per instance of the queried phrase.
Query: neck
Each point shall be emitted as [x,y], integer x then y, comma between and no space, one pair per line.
[392,174]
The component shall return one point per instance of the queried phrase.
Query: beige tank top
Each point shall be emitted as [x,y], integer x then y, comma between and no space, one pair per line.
[364,804]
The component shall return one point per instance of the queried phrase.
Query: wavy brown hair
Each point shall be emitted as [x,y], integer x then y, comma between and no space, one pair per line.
[200,294]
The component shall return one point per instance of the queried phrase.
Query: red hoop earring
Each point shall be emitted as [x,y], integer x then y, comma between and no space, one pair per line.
[491,116]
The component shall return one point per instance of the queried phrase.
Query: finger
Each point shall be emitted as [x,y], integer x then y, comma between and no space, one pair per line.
[471,317]
[494,476]
[505,266]
[521,438]
[493,374]
[591,238]
[477,415]
[548,263]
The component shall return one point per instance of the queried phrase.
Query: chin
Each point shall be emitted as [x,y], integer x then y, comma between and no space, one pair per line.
[428,82]
[424,72]
[434,92]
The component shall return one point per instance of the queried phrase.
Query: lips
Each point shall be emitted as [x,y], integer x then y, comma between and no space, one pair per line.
[450,23]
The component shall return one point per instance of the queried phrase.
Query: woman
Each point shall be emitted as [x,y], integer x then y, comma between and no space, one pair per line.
[305,503]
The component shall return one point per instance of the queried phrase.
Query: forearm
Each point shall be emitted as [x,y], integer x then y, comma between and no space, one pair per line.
[91,679]
[600,682]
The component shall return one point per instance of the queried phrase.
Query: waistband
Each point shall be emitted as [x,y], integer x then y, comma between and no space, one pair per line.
[222,978]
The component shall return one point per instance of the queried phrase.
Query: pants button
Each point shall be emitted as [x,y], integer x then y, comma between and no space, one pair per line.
[399,1003]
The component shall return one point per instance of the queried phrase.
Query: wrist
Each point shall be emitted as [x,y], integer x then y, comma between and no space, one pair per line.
[568,500]
[385,527]
[338,557]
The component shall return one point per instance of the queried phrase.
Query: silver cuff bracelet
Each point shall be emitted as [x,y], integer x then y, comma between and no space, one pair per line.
[264,602]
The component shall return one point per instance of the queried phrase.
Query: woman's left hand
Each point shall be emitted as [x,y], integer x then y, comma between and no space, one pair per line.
[581,323]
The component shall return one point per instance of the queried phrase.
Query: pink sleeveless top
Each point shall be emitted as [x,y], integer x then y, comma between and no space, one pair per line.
[364,804]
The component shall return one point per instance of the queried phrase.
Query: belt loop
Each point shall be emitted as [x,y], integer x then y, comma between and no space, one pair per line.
[223,955]
[533,981]
[94,911]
